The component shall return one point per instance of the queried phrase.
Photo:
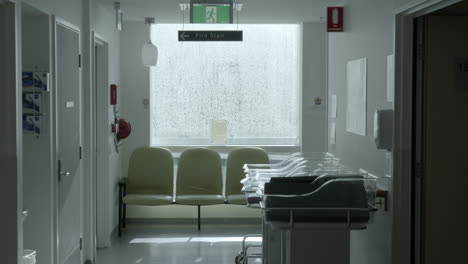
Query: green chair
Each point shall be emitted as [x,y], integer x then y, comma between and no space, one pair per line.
[149,182]
[235,173]
[199,178]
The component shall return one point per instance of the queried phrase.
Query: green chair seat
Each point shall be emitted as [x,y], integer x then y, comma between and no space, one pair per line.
[235,172]
[150,180]
[150,171]
[199,178]
[199,173]
[199,199]
[147,199]
[236,199]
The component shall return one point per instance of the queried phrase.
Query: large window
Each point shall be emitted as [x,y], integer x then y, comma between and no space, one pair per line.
[253,84]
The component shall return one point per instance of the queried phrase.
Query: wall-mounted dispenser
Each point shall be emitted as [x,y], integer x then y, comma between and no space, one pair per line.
[383,129]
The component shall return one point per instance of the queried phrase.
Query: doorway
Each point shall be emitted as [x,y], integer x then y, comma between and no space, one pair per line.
[101,125]
[37,134]
[68,142]
[407,203]
[440,150]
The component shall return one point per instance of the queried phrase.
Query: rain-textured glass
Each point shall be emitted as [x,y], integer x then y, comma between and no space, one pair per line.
[253,84]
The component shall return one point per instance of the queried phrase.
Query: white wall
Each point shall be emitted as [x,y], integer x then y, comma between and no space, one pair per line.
[314,83]
[368,34]
[69,10]
[134,88]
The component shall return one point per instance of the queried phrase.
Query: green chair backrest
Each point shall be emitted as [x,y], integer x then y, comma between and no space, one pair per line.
[199,172]
[236,160]
[151,171]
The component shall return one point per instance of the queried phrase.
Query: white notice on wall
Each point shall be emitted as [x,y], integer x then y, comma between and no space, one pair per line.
[390,78]
[333,110]
[356,109]
[333,133]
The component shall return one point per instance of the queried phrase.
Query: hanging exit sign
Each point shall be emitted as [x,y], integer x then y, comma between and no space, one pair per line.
[211,14]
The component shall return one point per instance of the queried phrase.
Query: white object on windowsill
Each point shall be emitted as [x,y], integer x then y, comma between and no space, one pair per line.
[218,131]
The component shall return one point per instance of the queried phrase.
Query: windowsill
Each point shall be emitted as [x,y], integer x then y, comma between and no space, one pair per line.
[228,148]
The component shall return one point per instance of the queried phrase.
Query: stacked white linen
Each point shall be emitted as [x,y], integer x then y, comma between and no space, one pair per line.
[296,164]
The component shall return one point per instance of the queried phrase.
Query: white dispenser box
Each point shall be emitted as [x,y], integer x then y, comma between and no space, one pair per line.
[383,129]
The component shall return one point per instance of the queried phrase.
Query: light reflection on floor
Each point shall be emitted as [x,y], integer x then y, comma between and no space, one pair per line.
[165,240]
[178,244]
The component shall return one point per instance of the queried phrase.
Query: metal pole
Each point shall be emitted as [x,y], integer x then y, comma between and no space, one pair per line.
[199,217]
[124,220]
[120,211]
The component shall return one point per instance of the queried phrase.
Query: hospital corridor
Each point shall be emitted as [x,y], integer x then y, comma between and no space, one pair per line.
[233,131]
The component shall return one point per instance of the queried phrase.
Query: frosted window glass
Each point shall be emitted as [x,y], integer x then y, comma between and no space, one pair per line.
[253,84]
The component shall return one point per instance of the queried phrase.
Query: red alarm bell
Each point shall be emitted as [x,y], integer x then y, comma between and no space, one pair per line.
[125,129]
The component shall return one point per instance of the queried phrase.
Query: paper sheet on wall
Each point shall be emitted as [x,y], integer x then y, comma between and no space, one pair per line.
[390,78]
[356,109]
[333,110]
[333,133]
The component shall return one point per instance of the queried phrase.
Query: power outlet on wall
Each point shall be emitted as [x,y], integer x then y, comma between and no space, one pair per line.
[146,103]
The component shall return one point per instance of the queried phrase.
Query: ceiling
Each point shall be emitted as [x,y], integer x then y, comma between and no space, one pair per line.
[460,8]
[253,11]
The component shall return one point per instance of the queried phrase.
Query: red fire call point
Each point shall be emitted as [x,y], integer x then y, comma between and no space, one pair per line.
[113,94]
[335,19]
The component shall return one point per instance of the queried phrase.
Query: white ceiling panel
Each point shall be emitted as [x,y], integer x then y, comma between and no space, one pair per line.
[254,11]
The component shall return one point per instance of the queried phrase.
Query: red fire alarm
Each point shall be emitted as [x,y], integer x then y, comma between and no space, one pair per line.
[335,19]
[113,94]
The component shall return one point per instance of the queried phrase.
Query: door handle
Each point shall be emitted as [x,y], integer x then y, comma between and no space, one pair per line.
[59,170]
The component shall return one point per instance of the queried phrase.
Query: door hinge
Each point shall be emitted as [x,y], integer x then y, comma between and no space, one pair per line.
[81,243]
[79,60]
[419,170]
[81,153]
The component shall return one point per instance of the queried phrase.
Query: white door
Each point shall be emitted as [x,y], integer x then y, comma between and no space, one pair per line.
[68,143]
[443,133]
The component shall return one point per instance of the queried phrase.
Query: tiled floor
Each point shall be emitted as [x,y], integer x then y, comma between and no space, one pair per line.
[177,244]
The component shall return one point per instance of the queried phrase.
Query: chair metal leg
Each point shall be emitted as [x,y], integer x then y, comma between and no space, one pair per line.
[124,220]
[199,217]
[120,212]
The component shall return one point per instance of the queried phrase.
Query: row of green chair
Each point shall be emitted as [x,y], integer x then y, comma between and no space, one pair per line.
[199,178]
